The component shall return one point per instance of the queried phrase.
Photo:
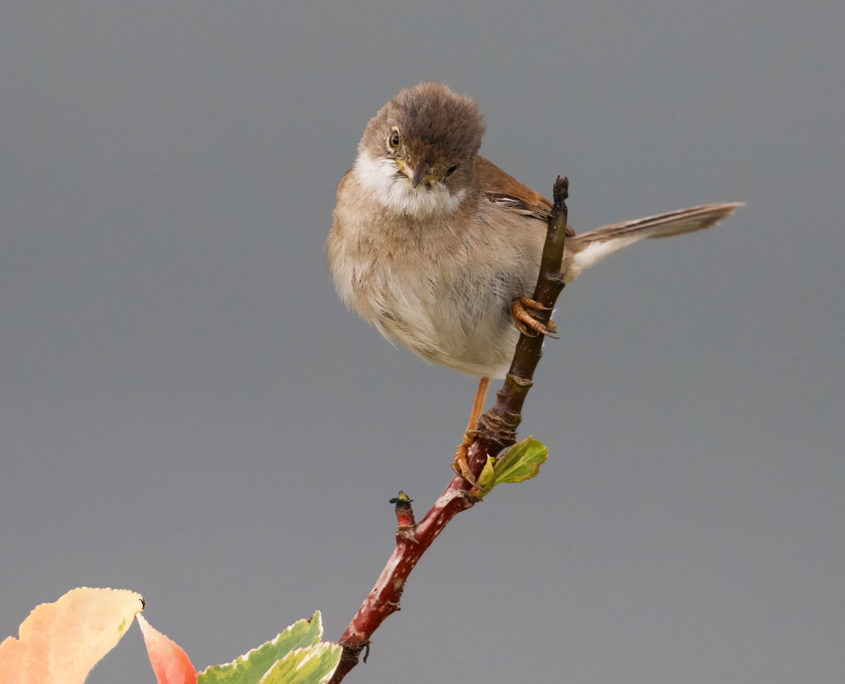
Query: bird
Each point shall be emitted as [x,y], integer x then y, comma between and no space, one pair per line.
[440,249]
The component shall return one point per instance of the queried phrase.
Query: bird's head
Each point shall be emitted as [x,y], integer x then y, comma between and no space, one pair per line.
[417,154]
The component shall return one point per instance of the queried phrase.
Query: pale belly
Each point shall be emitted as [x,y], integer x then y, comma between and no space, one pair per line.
[455,317]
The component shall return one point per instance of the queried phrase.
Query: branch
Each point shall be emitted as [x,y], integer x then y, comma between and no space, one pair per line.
[497,427]
[497,430]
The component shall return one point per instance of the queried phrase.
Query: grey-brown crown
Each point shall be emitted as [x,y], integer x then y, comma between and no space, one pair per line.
[432,119]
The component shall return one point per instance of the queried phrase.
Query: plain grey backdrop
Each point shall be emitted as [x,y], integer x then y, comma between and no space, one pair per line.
[187,410]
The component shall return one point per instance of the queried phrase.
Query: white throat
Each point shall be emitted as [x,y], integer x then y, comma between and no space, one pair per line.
[394,190]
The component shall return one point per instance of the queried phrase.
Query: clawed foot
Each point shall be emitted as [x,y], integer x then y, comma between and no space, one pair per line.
[526,323]
[460,464]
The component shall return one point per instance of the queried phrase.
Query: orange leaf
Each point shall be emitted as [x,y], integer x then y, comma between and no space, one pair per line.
[60,642]
[170,663]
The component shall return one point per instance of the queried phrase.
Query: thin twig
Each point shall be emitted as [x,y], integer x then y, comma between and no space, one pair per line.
[497,430]
[497,427]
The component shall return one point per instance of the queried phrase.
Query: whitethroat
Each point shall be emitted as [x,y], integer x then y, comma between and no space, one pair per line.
[440,249]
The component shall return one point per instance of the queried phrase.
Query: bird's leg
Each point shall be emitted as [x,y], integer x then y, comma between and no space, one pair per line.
[526,323]
[460,464]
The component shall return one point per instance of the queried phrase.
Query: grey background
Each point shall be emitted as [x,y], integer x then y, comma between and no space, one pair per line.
[187,409]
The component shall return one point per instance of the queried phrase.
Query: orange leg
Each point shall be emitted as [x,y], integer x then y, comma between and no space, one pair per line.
[460,464]
[525,322]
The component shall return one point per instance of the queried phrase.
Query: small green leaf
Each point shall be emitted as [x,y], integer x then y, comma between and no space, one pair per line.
[521,462]
[485,477]
[251,667]
[310,665]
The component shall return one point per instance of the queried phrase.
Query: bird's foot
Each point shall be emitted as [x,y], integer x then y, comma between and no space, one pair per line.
[460,464]
[525,321]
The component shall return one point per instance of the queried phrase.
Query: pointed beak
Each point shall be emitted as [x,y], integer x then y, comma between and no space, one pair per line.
[418,174]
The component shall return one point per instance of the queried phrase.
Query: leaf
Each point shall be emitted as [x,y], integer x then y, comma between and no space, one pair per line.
[519,463]
[310,665]
[251,667]
[171,664]
[485,478]
[60,642]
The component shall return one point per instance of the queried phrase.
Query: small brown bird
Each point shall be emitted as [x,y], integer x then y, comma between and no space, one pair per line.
[440,249]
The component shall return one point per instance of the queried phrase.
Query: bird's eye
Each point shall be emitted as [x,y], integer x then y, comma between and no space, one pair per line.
[393,140]
[451,169]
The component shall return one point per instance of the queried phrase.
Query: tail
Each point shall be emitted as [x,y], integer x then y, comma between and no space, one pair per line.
[584,251]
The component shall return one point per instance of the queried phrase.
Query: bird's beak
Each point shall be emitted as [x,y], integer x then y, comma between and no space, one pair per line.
[418,174]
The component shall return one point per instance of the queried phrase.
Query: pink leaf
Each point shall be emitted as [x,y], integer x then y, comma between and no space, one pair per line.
[170,663]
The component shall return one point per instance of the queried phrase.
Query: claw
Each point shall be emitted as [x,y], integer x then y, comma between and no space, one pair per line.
[460,464]
[526,323]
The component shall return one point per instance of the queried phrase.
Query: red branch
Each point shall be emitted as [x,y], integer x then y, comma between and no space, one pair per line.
[497,429]
[384,597]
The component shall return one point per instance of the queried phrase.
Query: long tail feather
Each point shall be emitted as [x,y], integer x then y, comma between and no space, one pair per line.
[586,250]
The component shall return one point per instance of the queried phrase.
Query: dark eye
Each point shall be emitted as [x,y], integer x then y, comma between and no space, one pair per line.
[451,169]
[393,140]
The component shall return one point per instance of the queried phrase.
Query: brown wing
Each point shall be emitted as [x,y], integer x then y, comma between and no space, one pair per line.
[505,191]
